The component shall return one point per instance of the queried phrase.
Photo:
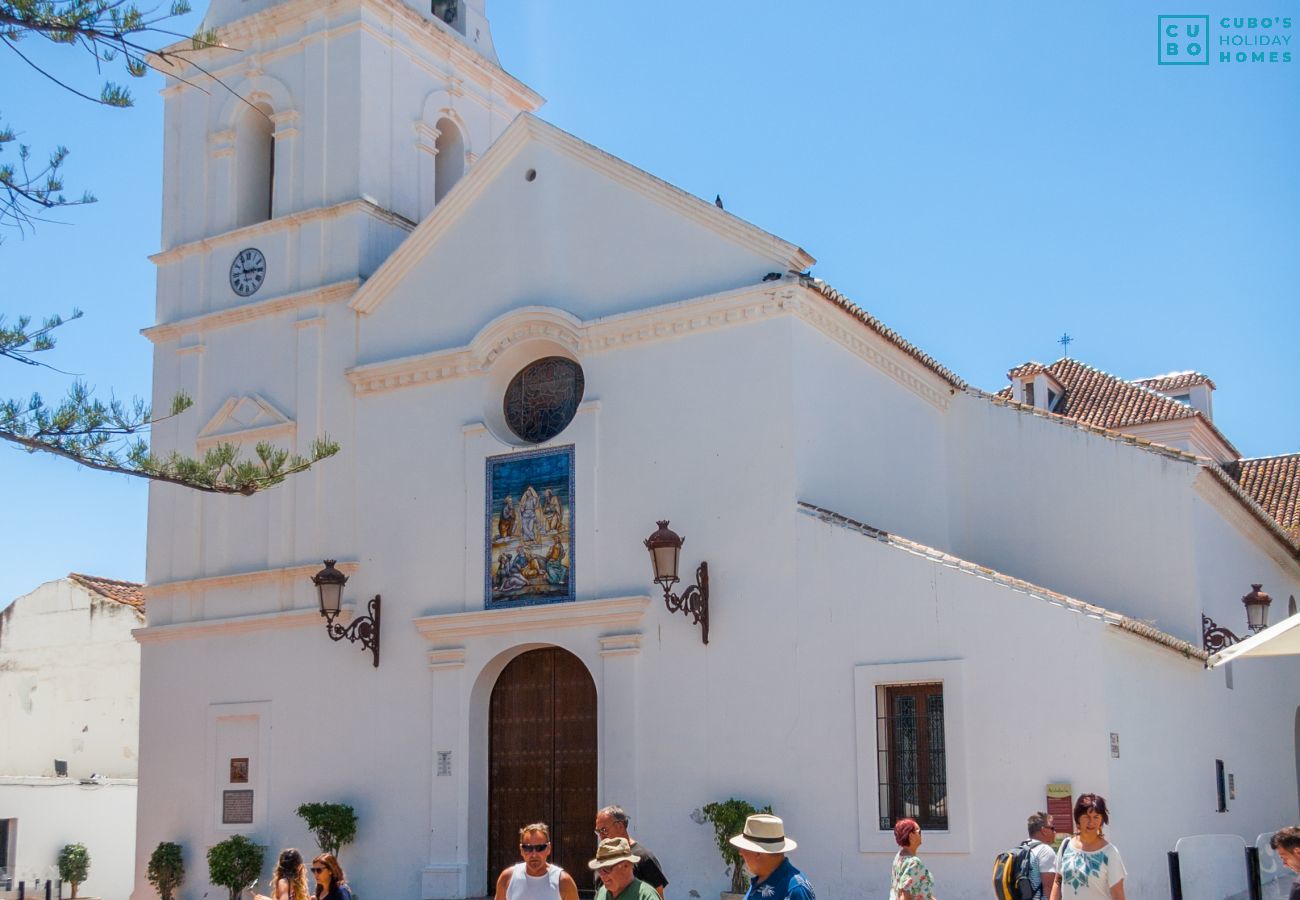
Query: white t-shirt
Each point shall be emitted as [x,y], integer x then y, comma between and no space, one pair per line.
[1091,875]
[1044,861]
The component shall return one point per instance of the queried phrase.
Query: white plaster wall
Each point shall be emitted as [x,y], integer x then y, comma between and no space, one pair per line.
[69,683]
[1174,721]
[55,812]
[859,435]
[1229,558]
[1078,512]
[573,238]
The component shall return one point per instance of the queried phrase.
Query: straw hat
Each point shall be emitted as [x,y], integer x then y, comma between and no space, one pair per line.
[764,834]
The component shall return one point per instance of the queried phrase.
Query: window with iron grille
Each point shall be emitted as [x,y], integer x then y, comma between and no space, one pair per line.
[910,755]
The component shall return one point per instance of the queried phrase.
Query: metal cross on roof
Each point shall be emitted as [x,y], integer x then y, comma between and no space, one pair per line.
[1065,340]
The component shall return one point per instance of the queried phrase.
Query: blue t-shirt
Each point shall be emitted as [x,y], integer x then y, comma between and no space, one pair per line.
[785,883]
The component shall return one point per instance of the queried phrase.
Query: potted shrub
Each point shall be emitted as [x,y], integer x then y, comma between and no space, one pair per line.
[728,820]
[333,824]
[166,869]
[74,865]
[234,864]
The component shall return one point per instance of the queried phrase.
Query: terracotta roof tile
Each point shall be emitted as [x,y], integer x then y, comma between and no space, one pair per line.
[1174,381]
[883,330]
[1108,401]
[1025,368]
[1274,483]
[127,593]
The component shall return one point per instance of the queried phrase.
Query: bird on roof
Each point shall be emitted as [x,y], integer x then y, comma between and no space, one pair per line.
[717,201]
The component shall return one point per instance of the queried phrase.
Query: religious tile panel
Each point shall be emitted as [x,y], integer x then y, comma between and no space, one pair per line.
[528,548]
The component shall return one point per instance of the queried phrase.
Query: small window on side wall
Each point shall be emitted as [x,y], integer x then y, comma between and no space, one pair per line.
[1221,785]
[911,755]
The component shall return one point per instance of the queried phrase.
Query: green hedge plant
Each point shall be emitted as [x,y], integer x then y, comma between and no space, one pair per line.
[728,820]
[234,864]
[74,865]
[166,869]
[333,824]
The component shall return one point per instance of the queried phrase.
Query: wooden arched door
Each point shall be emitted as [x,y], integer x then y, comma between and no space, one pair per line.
[542,759]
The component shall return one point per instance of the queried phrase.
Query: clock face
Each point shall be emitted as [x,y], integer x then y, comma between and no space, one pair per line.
[247,272]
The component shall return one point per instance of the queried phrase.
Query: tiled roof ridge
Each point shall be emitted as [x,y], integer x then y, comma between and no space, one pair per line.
[128,593]
[883,330]
[1178,380]
[1029,365]
[1119,620]
[1182,412]
[1168,408]
[1271,456]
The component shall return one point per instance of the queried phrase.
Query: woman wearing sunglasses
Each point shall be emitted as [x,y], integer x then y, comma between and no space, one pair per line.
[331,883]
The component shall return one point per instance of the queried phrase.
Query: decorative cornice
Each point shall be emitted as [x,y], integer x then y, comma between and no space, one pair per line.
[841,326]
[247,312]
[436,38]
[451,658]
[280,223]
[616,612]
[526,129]
[620,645]
[748,304]
[240,579]
[276,621]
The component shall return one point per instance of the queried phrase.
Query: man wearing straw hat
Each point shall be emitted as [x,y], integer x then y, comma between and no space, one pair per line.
[763,846]
[613,863]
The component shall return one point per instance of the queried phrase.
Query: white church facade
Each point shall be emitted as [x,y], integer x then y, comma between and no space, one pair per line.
[925,600]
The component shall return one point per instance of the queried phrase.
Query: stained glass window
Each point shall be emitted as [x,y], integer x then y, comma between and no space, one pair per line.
[543,398]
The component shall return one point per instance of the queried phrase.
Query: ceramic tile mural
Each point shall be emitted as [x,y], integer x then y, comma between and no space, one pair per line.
[529,540]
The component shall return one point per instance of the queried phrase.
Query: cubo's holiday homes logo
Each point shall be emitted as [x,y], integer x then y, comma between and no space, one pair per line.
[1187,41]
[1182,40]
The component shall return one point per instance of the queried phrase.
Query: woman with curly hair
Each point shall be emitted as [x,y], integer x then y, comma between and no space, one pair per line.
[331,883]
[290,879]
[911,879]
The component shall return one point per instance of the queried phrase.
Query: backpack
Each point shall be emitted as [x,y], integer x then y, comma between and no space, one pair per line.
[1011,870]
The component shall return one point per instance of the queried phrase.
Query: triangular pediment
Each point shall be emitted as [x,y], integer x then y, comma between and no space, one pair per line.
[247,418]
[546,219]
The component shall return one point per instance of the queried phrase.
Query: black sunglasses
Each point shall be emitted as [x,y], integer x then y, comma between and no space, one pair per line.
[534,848]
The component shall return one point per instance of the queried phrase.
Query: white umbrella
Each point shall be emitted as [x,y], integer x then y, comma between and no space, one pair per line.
[1282,639]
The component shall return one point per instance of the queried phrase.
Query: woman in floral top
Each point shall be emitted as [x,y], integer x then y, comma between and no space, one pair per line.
[1088,865]
[911,879]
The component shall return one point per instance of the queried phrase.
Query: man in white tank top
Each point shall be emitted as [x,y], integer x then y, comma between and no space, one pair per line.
[535,878]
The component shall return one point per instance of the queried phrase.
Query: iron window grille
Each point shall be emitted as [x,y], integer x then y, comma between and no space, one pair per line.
[911,755]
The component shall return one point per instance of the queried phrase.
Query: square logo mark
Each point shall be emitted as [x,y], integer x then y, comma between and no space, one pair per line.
[1183,40]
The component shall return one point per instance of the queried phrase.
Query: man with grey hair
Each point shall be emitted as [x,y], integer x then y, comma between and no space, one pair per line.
[612,822]
[1042,858]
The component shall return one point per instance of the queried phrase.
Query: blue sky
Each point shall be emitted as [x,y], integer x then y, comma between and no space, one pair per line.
[983,177]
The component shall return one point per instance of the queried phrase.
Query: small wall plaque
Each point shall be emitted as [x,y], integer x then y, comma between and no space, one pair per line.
[236,807]
[444,762]
[239,770]
[1114,744]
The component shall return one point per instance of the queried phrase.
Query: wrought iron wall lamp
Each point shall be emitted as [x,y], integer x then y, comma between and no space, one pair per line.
[329,583]
[1215,637]
[665,548]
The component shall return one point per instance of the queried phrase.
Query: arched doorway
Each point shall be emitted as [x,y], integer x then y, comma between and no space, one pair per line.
[542,758]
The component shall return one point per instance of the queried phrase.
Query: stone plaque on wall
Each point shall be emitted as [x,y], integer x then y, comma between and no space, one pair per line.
[236,807]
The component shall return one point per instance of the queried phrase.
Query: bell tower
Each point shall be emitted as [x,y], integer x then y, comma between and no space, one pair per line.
[325,131]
